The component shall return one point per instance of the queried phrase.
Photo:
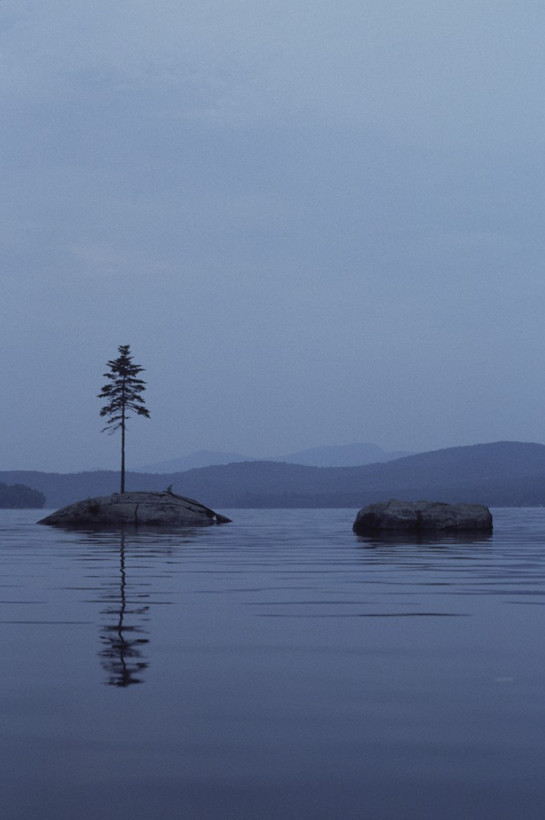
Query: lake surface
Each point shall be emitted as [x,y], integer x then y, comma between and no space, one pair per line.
[275,667]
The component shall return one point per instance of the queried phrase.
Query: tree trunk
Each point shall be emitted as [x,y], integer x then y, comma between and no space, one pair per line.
[123,453]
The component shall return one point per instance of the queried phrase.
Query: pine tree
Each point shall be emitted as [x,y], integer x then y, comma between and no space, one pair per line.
[123,393]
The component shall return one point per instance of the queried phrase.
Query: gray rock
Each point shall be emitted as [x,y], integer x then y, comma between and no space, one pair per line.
[135,509]
[422,517]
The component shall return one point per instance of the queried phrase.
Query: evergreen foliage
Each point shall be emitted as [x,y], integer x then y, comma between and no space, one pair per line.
[123,395]
[20,497]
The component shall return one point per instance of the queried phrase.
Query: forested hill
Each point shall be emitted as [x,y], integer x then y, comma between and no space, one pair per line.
[499,474]
[20,497]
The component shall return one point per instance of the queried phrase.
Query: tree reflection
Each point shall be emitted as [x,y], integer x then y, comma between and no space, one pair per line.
[122,655]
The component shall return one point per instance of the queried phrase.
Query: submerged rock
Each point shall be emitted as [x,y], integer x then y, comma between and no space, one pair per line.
[421,517]
[135,509]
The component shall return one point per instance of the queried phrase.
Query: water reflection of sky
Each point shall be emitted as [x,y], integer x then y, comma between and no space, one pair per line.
[288,669]
[123,633]
[125,564]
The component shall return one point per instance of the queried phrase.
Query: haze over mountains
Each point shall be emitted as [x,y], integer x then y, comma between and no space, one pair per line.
[344,455]
[498,474]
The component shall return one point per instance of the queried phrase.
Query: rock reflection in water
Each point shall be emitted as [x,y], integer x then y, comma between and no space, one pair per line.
[123,636]
[439,539]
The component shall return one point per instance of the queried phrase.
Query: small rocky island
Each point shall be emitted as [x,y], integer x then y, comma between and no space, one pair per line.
[135,509]
[421,517]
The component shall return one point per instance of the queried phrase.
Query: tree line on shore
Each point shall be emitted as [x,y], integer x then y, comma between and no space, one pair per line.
[20,497]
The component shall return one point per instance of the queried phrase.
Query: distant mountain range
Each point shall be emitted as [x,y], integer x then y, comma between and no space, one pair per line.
[344,455]
[510,474]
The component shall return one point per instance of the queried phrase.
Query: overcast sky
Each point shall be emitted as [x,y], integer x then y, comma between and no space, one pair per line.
[314,223]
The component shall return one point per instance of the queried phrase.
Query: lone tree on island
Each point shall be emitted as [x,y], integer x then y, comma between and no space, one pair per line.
[123,394]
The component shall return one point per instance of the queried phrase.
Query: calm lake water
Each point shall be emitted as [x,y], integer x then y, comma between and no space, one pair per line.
[275,667]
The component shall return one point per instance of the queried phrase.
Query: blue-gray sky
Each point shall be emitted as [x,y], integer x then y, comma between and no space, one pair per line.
[314,223]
